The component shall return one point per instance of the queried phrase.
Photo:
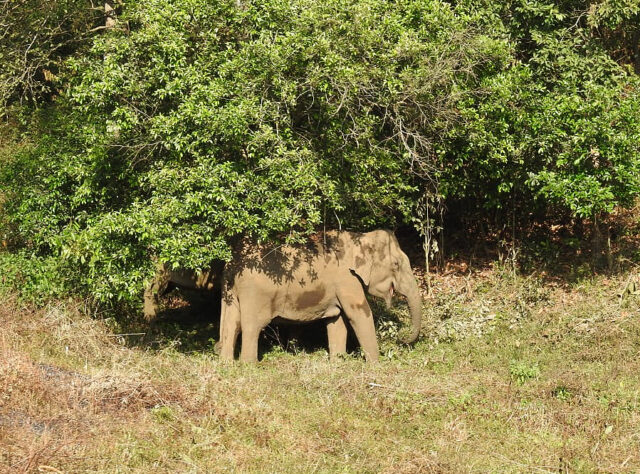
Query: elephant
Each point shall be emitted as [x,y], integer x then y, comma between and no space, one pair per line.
[166,279]
[326,278]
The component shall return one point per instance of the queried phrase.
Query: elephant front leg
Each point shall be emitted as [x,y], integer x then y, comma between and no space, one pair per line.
[357,310]
[150,305]
[151,301]
[337,337]
[152,294]
[249,350]
[250,333]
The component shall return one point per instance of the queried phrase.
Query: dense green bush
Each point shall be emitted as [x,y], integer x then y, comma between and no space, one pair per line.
[35,39]
[559,125]
[195,122]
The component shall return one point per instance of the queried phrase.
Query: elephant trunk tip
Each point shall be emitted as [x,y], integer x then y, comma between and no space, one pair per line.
[413,337]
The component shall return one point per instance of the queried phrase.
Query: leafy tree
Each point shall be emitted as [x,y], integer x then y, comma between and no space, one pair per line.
[191,123]
[208,121]
[35,38]
[557,126]
[617,22]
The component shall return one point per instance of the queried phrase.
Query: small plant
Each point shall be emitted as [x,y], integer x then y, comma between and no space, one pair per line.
[533,292]
[162,413]
[387,330]
[522,371]
[562,393]
[582,271]
[278,350]
[463,401]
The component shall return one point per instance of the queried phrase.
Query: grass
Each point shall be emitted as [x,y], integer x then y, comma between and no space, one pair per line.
[512,374]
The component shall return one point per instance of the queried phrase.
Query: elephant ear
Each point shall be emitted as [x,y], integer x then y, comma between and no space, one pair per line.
[362,263]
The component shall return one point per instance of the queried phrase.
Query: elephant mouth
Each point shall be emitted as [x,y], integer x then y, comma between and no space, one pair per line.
[389,298]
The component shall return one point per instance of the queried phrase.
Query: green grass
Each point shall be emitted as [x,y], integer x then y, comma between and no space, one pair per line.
[549,383]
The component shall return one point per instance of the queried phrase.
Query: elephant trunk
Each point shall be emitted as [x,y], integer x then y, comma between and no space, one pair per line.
[415,309]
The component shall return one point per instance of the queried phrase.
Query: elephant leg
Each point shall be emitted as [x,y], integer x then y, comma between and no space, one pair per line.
[357,310]
[229,328]
[337,336]
[251,328]
[150,303]
[249,350]
[253,319]
[152,296]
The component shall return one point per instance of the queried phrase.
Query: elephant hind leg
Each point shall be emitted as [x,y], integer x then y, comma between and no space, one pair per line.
[151,301]
[254,316]
[251,328]
[229,327]
[337,337]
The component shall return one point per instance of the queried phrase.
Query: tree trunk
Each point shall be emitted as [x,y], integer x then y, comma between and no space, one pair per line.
[636,50]
[596,244]
[608,250]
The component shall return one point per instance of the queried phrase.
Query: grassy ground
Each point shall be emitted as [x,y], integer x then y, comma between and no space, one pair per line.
[512,374]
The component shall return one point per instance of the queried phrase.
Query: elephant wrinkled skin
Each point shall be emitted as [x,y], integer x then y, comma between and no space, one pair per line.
[324,279]
[166,279]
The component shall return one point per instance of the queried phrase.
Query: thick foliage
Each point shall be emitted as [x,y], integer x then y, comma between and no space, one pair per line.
[195,122]
[35,38]
[559,125]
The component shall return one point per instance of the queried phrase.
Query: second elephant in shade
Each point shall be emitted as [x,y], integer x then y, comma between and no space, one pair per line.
[166,278]
[327,278]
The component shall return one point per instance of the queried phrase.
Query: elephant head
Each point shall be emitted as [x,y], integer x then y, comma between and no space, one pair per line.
[384,270]
[166,278]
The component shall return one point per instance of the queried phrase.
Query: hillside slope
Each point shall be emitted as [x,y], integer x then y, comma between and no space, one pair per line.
[512,374]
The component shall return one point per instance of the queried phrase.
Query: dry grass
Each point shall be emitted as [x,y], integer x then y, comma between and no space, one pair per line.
[548,382]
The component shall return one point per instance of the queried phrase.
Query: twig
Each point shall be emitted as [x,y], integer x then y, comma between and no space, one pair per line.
[127,334]
[338,219]
[529,466]
[46,468]
[98,28]
[630,288]
[271,251]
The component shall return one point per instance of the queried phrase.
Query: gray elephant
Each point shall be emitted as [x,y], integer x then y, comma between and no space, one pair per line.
[166,279]
[324,279]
